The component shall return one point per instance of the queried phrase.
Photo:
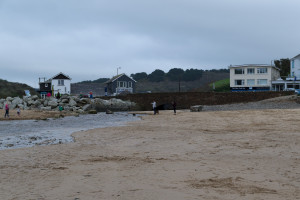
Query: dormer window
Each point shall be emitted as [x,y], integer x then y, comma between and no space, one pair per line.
[61,82]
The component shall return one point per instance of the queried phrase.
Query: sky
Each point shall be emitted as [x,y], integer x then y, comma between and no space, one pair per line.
[91,39]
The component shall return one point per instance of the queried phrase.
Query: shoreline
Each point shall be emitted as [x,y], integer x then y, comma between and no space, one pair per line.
[247,154]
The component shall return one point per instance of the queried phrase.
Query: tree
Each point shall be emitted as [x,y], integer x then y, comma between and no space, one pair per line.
[139,76]
[284,66]
[157,76]
[175,74]
[192,74]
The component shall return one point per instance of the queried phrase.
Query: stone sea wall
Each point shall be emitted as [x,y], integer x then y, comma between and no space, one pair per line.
[68,103]
[185,100]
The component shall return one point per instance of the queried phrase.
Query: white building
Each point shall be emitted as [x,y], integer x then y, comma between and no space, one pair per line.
[292,83]
[252,77]
[59,83]
[295,67]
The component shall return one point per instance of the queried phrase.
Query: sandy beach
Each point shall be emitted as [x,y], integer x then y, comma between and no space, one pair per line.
[34,114]
[220,155]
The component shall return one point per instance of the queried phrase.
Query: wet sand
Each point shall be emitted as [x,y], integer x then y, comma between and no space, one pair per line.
[34,114]
[220,155]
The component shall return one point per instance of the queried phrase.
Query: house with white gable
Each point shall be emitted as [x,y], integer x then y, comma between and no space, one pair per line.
[291,83]
[295,67]
[59,83]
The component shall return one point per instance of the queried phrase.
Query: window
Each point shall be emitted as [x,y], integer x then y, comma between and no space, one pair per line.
[121,84]
[250,82]
[46,84]
[262,70]
[130,84]
[238,71]
[61,82]
[293,63]
[239,82]
[250,71]
[262,82]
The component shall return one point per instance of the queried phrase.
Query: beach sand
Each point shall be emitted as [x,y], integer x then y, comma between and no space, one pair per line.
[33,114]
[220,155]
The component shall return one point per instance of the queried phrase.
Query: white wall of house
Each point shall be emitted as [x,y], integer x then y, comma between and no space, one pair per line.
[253,75]
[62,88]
[295,66]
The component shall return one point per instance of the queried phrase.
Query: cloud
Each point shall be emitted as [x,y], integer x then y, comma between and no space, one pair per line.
[90,39]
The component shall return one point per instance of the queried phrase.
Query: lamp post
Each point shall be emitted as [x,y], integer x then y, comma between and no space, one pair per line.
[118,70]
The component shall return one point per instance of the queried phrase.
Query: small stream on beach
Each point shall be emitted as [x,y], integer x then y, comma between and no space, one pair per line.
[28,133]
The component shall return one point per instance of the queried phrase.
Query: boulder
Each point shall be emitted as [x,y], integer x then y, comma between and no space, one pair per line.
[30,102]
[53,104]
[46,102]
[21,106]
[92,112]
[9,99]
[196,108]
[86,107]
[17,100]
[72,103]
[37,103]
[48,108]
[34,97]
[65,101]
[109,112]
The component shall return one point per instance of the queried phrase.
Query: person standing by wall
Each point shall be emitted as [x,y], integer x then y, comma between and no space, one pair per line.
[154,106]
[174,107]
[6,110]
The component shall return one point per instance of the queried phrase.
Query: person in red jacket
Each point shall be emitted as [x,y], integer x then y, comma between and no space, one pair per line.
[6,110]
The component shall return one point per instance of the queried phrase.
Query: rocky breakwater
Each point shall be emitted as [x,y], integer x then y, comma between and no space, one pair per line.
[67,103]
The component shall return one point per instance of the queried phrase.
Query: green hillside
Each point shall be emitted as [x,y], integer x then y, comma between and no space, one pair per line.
[221,85]
[10,89]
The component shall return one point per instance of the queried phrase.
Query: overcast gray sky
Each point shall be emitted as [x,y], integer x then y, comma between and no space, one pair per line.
[90,39]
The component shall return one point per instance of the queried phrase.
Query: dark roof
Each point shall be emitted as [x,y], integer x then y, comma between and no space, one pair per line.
[118,76]
[61,76]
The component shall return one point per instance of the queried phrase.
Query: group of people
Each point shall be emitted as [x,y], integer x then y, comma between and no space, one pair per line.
[6,115]
[156,110]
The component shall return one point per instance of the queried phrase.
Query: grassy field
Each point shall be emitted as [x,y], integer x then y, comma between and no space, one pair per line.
[221,85]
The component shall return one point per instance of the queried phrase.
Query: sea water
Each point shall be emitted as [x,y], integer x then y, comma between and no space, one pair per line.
[28,133]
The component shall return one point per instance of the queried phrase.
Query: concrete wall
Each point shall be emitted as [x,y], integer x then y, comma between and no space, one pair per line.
[186,99]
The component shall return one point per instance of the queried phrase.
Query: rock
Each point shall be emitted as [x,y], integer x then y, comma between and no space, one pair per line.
[92,112]
[48,108]
[65,100]
[30,102]
[80,111]
[9,99]
[86,107]
[46,102]
[17,101]
[21,106]
[72,103]
[9,145]
[37,103]
[109,112]
[53,104]
[34,97]
[196,108]
[64,96]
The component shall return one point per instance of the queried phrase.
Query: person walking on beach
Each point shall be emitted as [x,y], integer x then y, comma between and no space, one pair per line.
[154,107]
[174,107]
[6,110]
[18,111]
